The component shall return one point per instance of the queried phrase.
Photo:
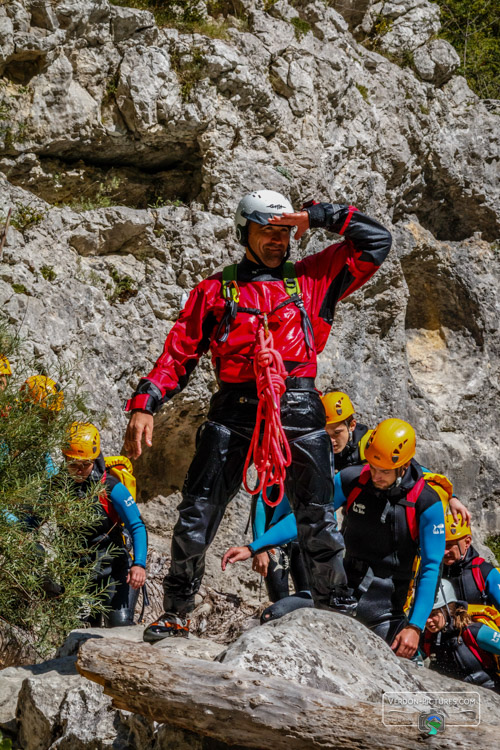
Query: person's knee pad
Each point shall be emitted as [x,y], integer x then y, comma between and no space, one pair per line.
[284,606]
[119,618]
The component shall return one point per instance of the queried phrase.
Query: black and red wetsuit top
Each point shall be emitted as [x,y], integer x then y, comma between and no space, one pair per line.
[324,278]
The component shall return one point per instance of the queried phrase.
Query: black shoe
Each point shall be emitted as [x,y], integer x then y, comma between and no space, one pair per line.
[284,606]
[343,601]
[169,625]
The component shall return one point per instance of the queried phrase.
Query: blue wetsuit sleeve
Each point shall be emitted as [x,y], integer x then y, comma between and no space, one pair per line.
[493,587]
[9,517]
[125,506]
[259,522]
[50,468]
[339,498]
[489,639]
[281,533]
[432,546]
[281,510]
[285,530]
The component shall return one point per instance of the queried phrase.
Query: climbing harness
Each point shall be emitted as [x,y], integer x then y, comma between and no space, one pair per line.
[231,295]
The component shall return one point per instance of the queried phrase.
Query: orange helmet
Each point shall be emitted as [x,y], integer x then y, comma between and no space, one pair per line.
[455,531]
[43,391]
[391,444]
[338,407]
[5,368]
[83,442]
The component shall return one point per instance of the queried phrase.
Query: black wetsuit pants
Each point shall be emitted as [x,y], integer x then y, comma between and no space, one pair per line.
[285,563]
[215,475]
[120,598]
[381,597]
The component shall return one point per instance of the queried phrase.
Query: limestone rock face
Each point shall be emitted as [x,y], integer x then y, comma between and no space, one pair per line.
[436,61]
[124,149]
[57,708]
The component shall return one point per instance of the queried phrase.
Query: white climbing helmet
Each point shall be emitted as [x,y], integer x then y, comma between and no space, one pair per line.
[259,207]
[445,595]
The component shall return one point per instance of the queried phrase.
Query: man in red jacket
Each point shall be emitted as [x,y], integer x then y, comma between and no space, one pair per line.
[224,314]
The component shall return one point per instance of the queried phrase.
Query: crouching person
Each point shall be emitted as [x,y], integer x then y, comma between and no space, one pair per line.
[391,512]
[459,646]
[115,508]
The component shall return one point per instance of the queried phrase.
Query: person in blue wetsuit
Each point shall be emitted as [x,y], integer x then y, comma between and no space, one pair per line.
[390,513]
[475,580]
[280,563]
[116,505]
[457,645]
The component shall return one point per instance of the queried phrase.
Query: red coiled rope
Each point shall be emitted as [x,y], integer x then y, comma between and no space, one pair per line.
[271,452]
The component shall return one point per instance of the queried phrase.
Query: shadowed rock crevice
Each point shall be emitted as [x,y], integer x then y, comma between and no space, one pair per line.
[439,297]
[95,184]
[22,70]
[447,209]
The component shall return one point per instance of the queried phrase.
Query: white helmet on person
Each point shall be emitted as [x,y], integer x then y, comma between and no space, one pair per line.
[445,595]
[259,206]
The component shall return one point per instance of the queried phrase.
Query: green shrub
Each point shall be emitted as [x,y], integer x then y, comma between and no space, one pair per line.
[25,216]
[473,28]
[48,273]
[19,289]
[45,580]
[123,287]
[362,90]
[301,27]
[184,15]
[285,172]
[188,71]
[493,542]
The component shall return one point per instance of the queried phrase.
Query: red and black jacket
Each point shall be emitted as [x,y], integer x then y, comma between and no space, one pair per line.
[325,278]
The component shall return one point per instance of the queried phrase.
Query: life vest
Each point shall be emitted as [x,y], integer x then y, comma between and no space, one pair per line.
[408,502]
[490,662]
[231,295]
[362,445]
[469,575]
[121,468]
[459,655]
[485,614]
[442,486]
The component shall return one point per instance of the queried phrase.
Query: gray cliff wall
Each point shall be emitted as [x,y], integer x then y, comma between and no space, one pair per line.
[100,106]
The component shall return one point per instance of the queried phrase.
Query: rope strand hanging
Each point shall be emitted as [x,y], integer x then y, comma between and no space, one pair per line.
[269,449]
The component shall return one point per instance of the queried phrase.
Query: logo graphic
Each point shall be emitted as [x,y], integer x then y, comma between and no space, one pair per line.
[275,205]
[495,637]
[459,709]
[359,508]
[438,528]
[431,723]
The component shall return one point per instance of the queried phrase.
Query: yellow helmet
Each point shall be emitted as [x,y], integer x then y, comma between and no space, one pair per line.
[338,407]
[5,368]
[83,442]
[391,444]
[44,391]
[455,531]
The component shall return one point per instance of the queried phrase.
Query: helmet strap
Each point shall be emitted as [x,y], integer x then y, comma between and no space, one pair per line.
[254,255]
